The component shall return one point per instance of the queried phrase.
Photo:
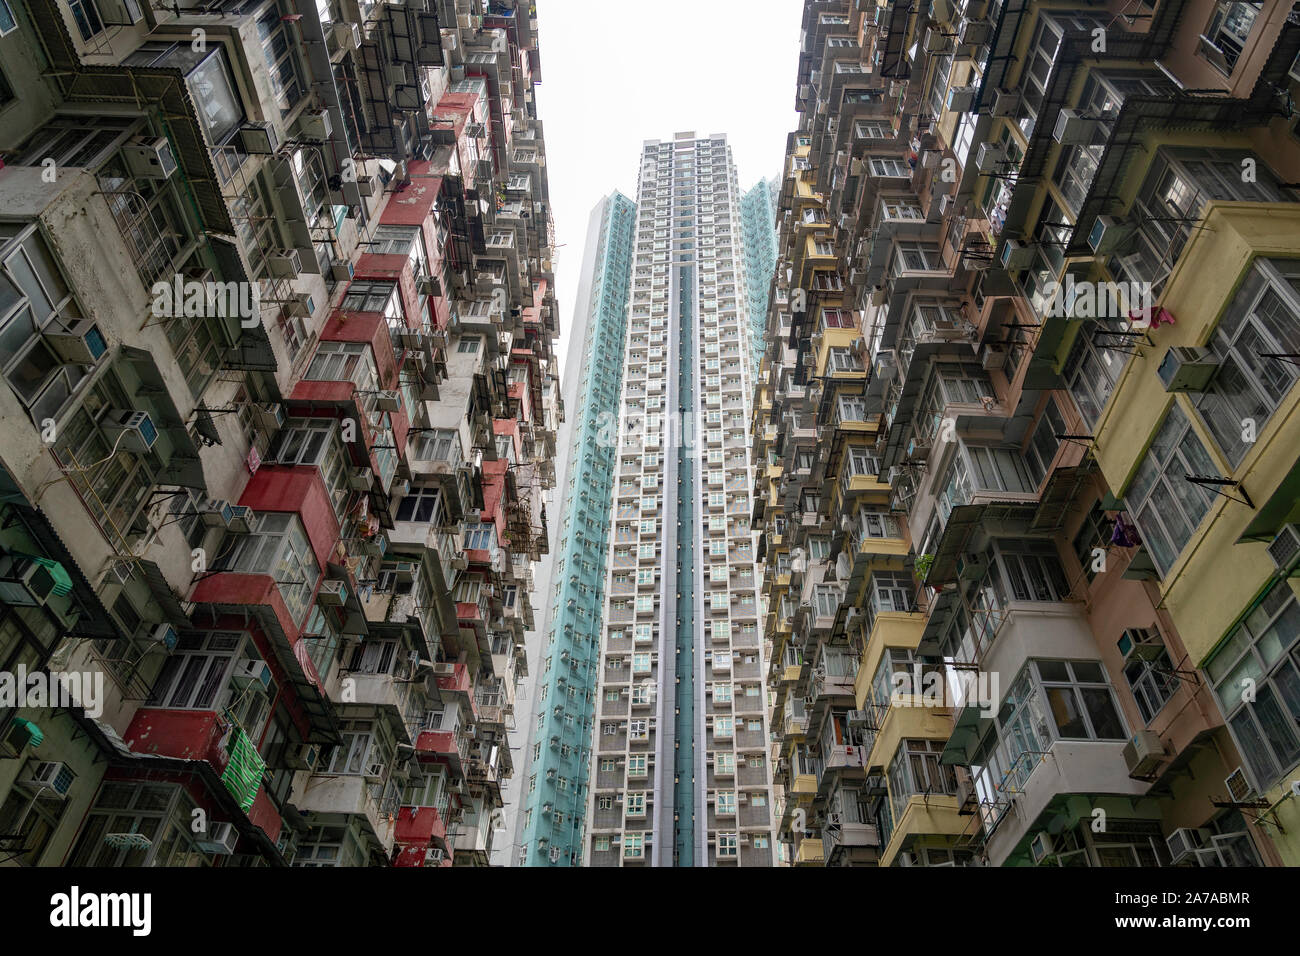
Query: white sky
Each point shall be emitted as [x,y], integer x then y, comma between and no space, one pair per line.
[616,73]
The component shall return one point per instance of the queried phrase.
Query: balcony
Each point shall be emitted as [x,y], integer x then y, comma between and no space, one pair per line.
[351,795]
[810,853]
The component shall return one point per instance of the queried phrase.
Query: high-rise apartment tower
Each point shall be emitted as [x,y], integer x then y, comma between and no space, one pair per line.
[680,741]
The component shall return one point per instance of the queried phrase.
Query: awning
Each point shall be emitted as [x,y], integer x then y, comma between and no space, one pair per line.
[1282,507]
[162,593]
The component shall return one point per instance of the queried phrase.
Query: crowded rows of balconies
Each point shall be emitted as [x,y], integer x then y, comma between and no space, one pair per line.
[970,631]
[278,428]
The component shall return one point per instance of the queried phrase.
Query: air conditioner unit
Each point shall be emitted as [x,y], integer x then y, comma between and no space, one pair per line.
[992,358]
[359,479]
[261,139]
[399,488]
[942,10]
[129,429]
[220,839]
[1017,256]
[366,185]
[48,779]
[1040,848]
[946,204]
[285,264]
[315,124]
[1185,841]
[433,856]
[268,417]
[974,32]
[411,339]
[304,757]
[971,567]
[1239,788]
[342,270]
[936,42]
[242,519]
[165,635]
[1110,235]
[1140,644]
[390,401]
[989,155]
[1187,369]
[347,35]
[332,594]
[429,285]
[24,582]
[215,513]
[1284,549]
[918,448]
[1075,127]
[150,160]
[961,99]
[1006,102]
[1143,753]
[82,344]
[300,304]
[254,674]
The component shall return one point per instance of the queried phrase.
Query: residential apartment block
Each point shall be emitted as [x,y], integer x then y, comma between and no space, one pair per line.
[1025,450]
[680,742]
[559,761]
[758,225]
[279,414]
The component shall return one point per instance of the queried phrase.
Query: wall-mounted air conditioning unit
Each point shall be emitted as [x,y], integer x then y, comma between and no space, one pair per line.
[285,264]
[1017,255]
[220,839]
[1040,848]
[24,582]
[1185,841]
[1284,549]
[82,344]
[252,674]
[242,519]
[129,429]
[1143,753]
[1075,127]
[1187,369]
[1109,235]
[260,139]
[332,593]
[47,779]
[315,124]
[989,155]
[1140,644]
[165,635]
[961,99]
[1006,102]
[150,160]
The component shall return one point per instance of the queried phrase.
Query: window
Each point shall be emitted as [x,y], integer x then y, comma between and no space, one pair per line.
[422,504]
[1262,318]
[481,537]
[1094,533]
[7,25]
[160,812]
[279,547]
[1166,506]
[845,360]
[1226,34]
[1043,443]
[86,16]
[1152,683]
[370,297]
[35,299]
[199,676]
[1265,648]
